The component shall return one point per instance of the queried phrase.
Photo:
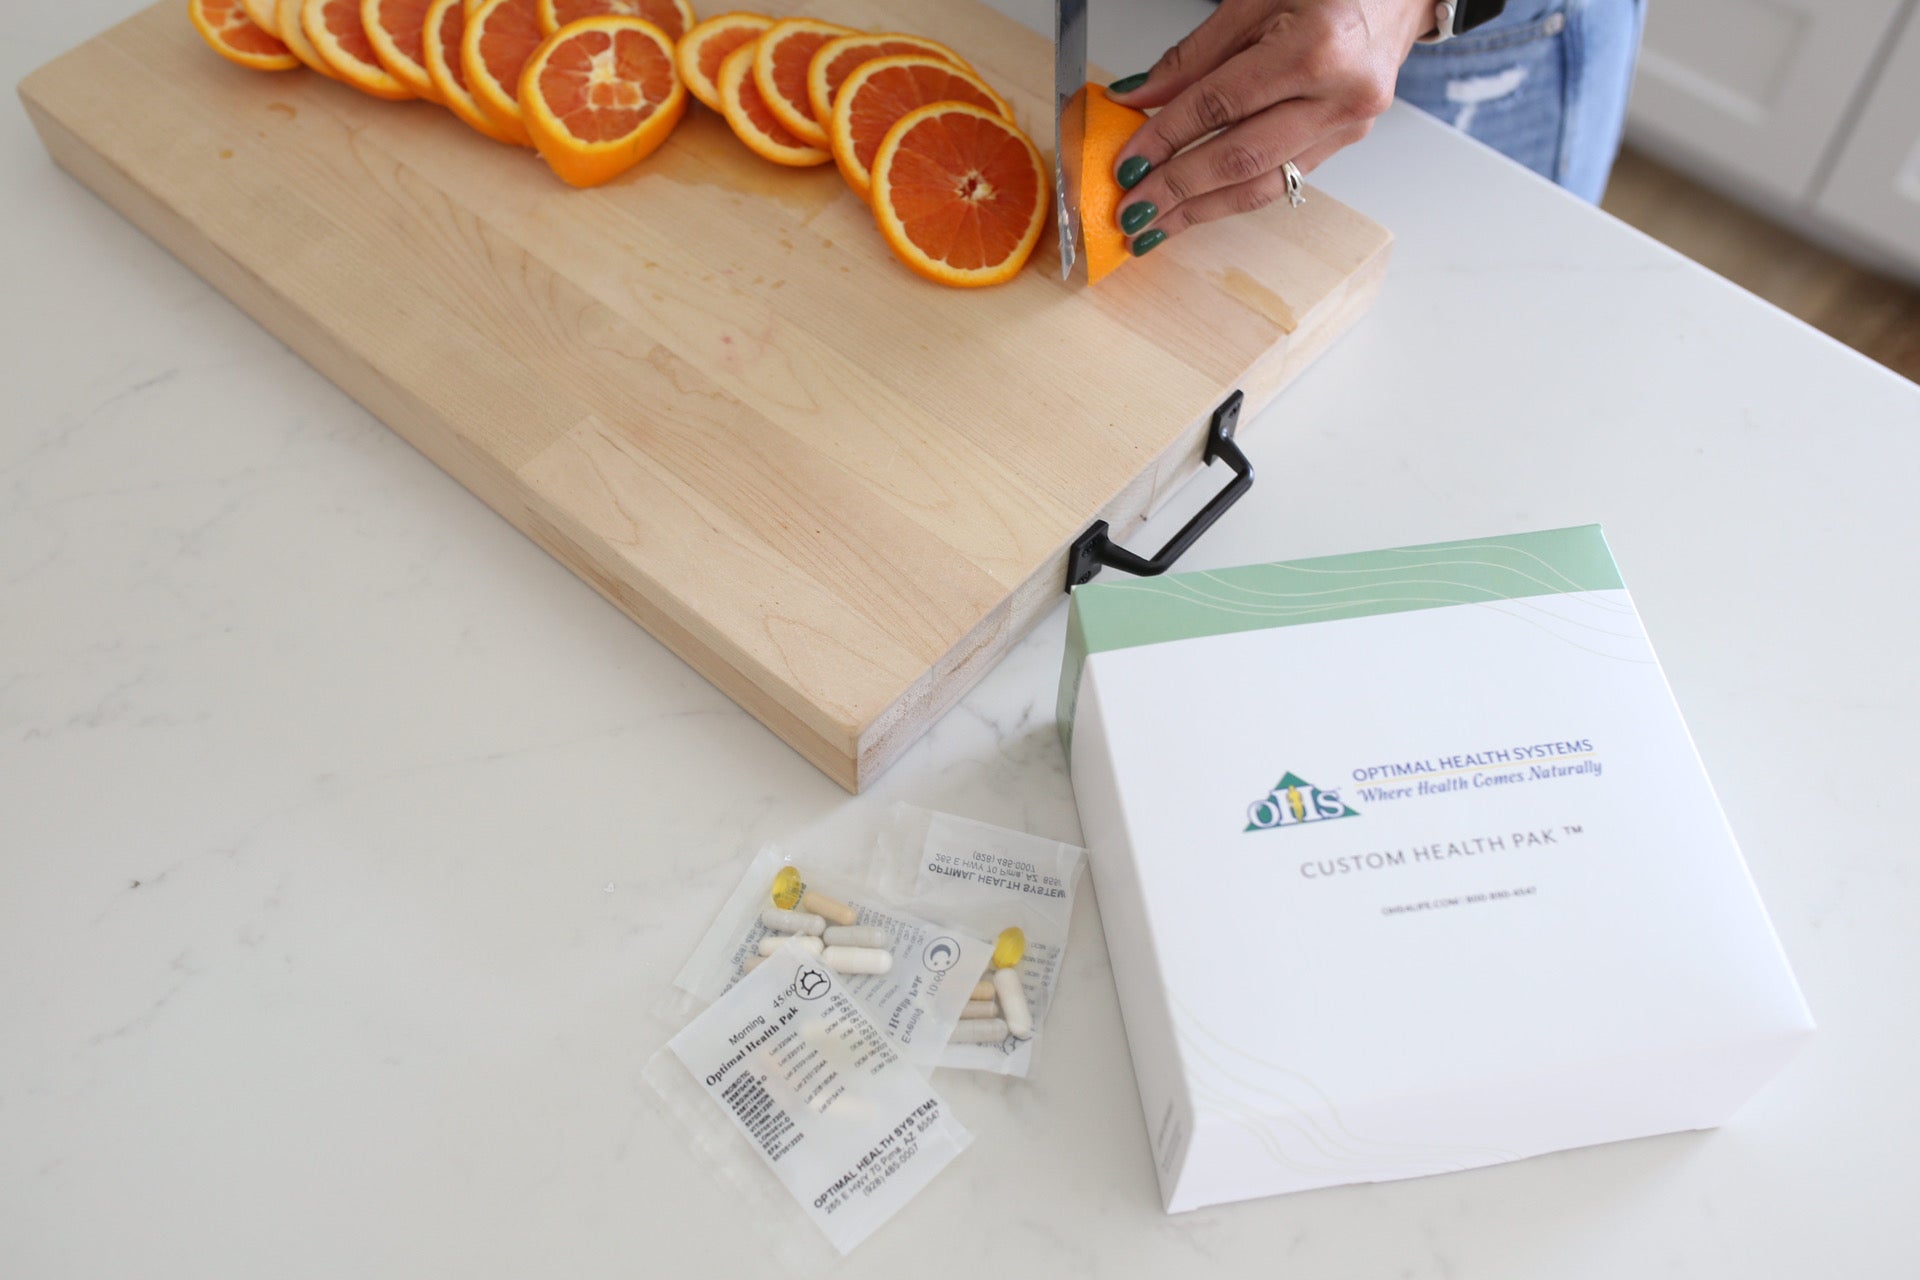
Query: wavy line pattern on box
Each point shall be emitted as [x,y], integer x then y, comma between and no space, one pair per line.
[1282,1122]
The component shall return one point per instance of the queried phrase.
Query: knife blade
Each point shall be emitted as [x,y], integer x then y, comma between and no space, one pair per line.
[1069,124]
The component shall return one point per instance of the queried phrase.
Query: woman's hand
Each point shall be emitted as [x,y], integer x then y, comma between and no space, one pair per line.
[1277,80]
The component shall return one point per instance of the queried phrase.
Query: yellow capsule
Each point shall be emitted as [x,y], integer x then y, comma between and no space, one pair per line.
[1009,947]
[787,888]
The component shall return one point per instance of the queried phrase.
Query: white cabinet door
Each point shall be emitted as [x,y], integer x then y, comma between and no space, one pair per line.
[1752,92]
[1874,190]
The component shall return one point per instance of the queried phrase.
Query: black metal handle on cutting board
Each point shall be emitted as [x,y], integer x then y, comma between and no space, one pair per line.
[1094,548]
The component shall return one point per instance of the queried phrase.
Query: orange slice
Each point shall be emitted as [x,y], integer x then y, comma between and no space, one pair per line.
[1109,126]
[600,95]
[780,63]
[500,36]
[960,194]
[753,121]
[264,17]
[882,90]
[675,17]
[224,25]
[445,23]
[286,20]
[396,28]
[335,28]
[707,45]
[836,59]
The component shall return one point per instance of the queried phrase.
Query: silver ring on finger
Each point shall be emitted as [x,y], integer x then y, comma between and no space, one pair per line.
[1296,193]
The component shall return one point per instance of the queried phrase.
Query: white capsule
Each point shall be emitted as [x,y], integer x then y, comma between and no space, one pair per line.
[792,921]
[1013,1003]
[751,963]
[857,935]
[857,960]
[979,1031]
[832,909]
[980,1009]
[774,941]
[982,990]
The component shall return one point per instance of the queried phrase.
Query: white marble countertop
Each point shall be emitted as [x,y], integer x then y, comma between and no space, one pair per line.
[344,836]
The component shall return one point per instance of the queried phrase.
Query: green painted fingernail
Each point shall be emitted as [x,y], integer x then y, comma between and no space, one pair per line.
[1137,215]
[1143,244]
[1127,84]
[1132,169]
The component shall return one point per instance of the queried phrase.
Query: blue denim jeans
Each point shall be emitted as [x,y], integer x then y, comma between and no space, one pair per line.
[1544,83]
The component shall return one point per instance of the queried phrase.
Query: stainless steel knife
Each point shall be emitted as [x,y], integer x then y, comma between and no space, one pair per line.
[1069,124]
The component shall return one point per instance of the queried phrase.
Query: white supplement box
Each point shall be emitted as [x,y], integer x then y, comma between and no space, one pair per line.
[1407,864]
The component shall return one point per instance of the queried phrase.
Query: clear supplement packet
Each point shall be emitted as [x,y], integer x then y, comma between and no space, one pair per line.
[796,1067]
[986,879]
[917,1002]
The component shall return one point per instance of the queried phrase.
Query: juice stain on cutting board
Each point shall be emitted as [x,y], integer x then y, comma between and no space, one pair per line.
[1244,289]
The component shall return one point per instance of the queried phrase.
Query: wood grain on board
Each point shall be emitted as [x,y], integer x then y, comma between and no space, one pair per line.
[836,490]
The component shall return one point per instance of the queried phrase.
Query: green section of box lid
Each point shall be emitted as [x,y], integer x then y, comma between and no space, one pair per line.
[1186,606]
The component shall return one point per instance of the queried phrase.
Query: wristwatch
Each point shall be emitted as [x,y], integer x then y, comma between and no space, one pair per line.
[1457,17]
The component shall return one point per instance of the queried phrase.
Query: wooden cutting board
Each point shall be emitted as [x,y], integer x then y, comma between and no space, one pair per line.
[836,490]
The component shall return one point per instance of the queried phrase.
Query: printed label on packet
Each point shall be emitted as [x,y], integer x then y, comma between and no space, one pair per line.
[986,878]
[953,857]
[803,1072]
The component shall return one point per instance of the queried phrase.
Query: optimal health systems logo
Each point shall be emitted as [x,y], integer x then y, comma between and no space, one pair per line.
[1293,802]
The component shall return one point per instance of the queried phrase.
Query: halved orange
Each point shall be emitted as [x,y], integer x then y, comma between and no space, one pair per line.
[286,19]
[702,50]
[675,17]
[753,121]
[959,194]
[335,28]
[600,95]
[445,23]
[780,63]
[835,60]
[264,17]
[500,36]
[225,26]
[1109,127]
[397,30]
[880,91]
